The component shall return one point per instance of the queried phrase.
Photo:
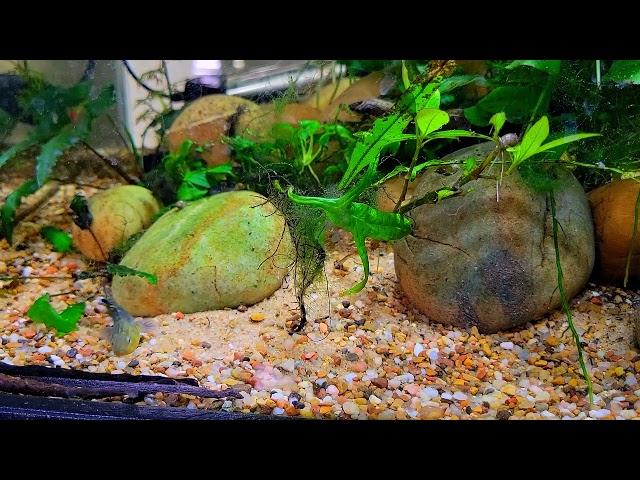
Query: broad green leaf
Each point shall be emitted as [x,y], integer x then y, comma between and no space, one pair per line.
[199,177]
[189,192]
[624,71]
[405,76]
[444,193]
[64,322]
[123,271]
[51,151]
[530,143]
[430,119]
[517,102]
[468,165]
[433,101]
[552,67]
[498,120]
[385,131]
[11,152]
[11,204]
[60,239]
[457,134]
[456,81]
[565,140]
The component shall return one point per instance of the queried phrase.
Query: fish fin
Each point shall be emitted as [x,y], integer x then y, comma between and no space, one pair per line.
[105,333]
[147,325]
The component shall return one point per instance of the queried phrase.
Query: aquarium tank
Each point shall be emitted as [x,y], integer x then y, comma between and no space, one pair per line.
[320,239]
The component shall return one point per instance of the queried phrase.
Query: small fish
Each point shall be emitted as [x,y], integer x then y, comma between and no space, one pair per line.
[124,335]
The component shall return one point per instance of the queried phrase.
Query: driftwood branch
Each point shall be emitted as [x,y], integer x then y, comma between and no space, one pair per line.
[80,388]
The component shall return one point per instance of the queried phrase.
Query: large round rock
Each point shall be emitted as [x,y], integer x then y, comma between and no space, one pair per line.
[478,259]
[613,206]
[118,213]
[222,251]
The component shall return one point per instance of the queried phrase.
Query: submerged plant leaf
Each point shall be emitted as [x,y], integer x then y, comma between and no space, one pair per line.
[551,67]
[60,239]
[498,120]
[122,271]
[64,322]
[624,71]
[360,219]
[11,204]
[530,143]
[429,120]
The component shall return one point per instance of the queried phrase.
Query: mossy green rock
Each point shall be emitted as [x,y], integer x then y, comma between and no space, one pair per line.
[222,251]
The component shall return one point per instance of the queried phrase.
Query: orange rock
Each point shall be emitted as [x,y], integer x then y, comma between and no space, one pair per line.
[179,315]
[613,208]
[365,88]
[86,351]
[28,332]
[206,121]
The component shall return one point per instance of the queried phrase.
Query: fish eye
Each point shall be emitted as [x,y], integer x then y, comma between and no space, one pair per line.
[128,339]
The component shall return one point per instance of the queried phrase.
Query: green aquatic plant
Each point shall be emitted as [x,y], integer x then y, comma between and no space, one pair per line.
[184,176]
[10,206]
[63,118]
[360,219]
[64,322]
[59,239]
[123,271]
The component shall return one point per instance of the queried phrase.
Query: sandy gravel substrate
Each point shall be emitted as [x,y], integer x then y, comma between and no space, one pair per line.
[373,357]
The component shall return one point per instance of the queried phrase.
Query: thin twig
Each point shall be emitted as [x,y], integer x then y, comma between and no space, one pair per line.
[113,165]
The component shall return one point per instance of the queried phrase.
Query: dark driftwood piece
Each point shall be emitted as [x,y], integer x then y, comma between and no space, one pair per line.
[48,382]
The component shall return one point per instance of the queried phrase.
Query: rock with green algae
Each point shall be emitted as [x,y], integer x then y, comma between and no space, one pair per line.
[118,213]
[222,251]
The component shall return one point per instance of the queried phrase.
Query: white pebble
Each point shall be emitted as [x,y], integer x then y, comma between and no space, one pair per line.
[601,413]
[507,345]
[26,271]
[418,349]
[459,396]
[428,393]
[350,408]
[153,341]
[446,396]
[45,349]
[433,354]
[374,400]
[278,411]
[350,376]
[288,365]
[332,390]
[631,380]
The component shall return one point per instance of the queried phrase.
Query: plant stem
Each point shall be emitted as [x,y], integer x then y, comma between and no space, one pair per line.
[432,197]
[598,73]
[564,301]
[113,165]
[633,240]
[405,187]
[140,82]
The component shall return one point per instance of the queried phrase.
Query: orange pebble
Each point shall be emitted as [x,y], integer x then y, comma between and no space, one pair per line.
[179,315]
[28,332]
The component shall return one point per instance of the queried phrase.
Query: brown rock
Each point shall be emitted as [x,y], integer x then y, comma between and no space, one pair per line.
[613,208]
[206,121]
[380,382]
[257,123]
[365,88]
[472,260]
[389,192]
